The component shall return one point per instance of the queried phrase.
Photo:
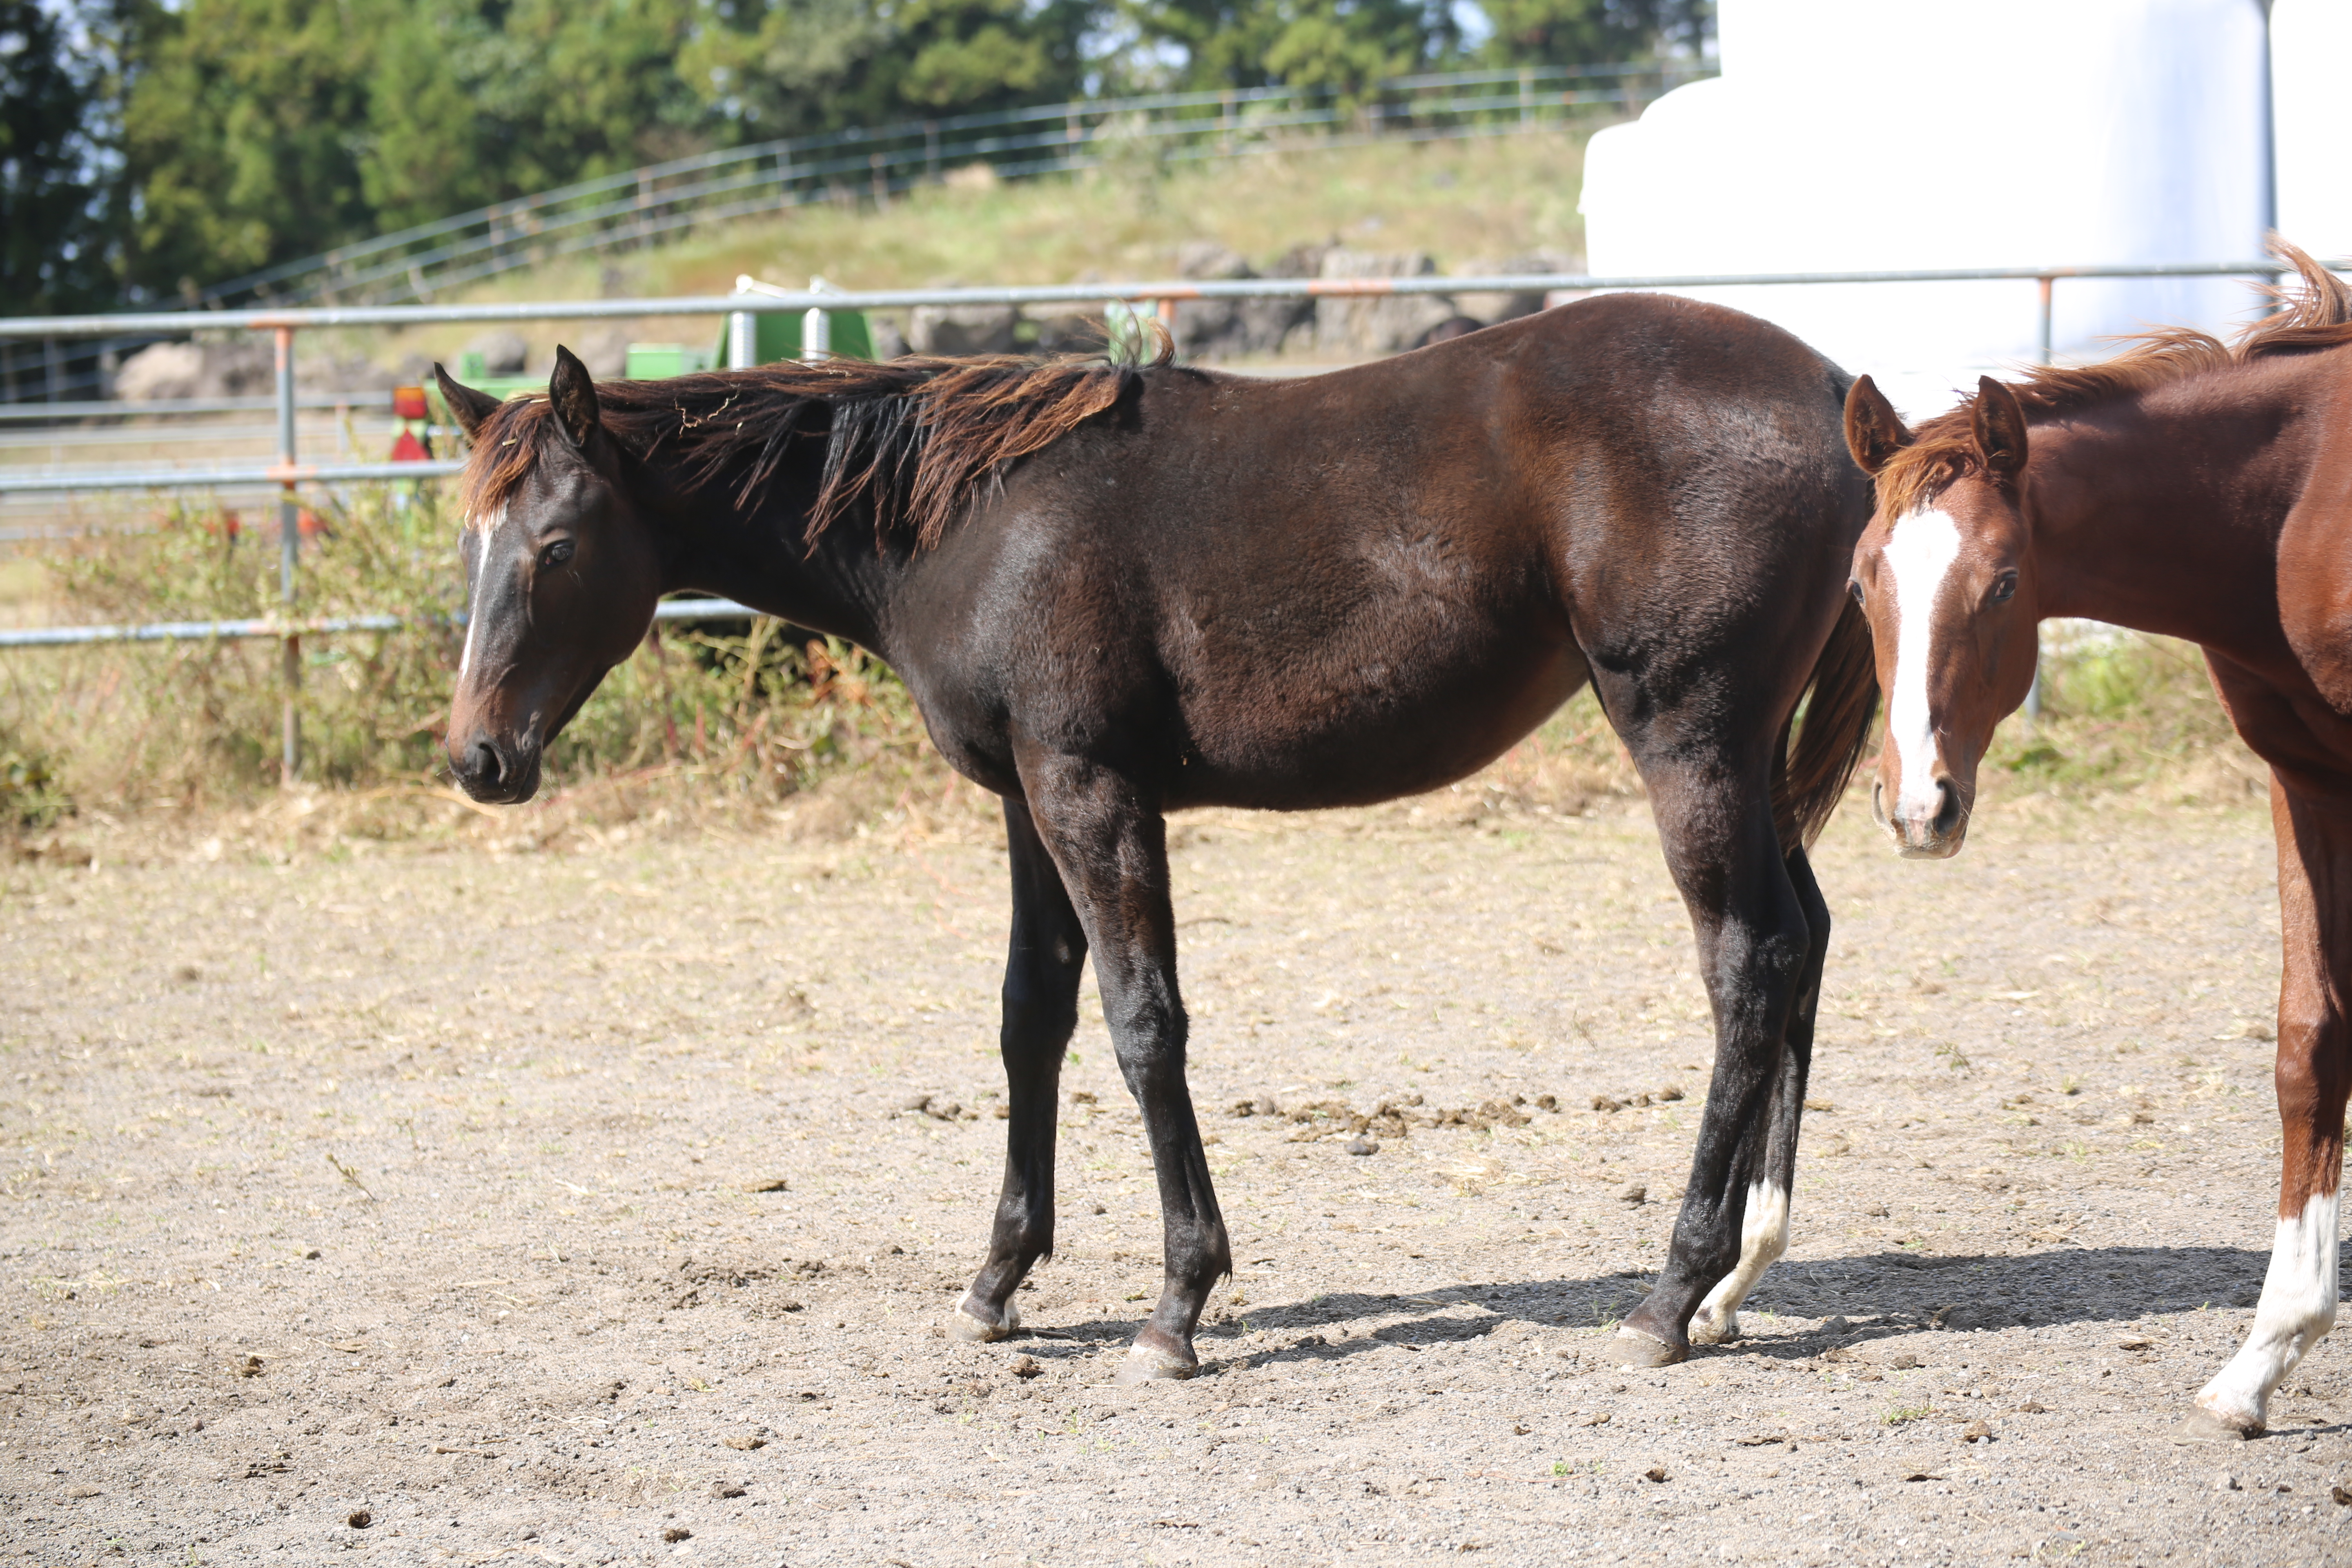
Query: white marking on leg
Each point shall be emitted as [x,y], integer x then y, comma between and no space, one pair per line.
[2298,1306]
[1920,553]
[1763,1238]
[473,610]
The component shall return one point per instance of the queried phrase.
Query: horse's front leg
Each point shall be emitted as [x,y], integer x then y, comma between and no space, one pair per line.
[2315,1075]
[1755,948]
[1107,834]
[1048,953]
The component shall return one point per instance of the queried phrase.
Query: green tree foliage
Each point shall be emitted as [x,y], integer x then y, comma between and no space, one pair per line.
[784,68]
[244,135]
[478,100]
[1589,32]
[61,204]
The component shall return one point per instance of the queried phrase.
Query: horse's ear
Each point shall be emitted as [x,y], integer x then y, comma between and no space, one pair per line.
[572,393]
[467,406]
[1999,423]
[1873,431]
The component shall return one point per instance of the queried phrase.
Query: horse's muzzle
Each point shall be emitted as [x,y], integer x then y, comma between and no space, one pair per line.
[495,774]
[1935,831]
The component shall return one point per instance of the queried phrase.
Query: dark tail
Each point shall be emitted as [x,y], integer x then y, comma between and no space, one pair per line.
[1839,702]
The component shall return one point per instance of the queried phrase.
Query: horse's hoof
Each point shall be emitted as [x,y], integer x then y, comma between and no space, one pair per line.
[1707,1330]
[1144,1365]
[2204,1426]
[1631,1347]
[975,1329]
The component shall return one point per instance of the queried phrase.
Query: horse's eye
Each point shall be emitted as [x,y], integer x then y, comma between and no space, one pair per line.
[556,554]
[2004,588]
[1854,588]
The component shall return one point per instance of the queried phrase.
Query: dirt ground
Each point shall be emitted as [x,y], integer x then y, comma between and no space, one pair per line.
[583,1207]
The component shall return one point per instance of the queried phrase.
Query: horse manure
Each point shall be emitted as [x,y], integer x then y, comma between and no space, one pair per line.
[725,1490]
[1604,1102]
[1026,1367]
[678,1533]
[1547,1102]
[914,1104]
[1633,1195]
[360,1519]
[1656,1473]
[1362,1145]
[746,1443]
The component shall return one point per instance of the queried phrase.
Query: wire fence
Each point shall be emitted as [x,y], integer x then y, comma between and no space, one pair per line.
[645,205]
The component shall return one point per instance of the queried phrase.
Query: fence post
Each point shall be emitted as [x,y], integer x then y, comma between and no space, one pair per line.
[1167,310]
[289,550]
[817,327]
[2033,693]
[742,341]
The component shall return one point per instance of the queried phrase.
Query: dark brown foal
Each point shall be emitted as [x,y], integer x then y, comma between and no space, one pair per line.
[1120,591]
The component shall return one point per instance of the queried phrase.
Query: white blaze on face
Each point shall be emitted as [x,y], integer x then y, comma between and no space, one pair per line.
[1920,553]
[2298,1306]
[1763,1238]
[474,609]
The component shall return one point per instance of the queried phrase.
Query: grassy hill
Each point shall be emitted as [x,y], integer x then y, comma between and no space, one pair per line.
[1470,205]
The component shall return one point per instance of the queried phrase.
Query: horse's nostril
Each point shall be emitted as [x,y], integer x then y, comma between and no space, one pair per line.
[1947,809]
[488,766]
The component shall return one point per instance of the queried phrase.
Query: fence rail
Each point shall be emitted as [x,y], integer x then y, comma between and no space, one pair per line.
[288,473]
[275,626]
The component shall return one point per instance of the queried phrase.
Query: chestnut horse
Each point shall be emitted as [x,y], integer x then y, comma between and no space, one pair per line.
[2201,492]
[1119,590]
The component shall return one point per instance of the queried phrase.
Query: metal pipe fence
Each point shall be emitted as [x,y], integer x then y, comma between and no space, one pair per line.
[290,474]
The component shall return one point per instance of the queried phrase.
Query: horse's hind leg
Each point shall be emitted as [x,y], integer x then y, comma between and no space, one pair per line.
[1715,822]
[1764,1218]
[2314,1075]
[1048,953]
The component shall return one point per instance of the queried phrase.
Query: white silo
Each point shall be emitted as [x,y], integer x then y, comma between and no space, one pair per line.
[1896,134]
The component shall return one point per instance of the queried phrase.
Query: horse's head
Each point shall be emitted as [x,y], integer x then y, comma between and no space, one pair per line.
[1945,572]
[561,575]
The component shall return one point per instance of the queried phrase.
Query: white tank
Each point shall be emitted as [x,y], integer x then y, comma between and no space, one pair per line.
[2311,53]
[1884,134]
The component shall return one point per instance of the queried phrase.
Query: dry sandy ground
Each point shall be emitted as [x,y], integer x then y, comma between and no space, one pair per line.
[568,1208]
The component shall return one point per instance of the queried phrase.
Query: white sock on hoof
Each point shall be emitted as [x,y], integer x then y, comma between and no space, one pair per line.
[1763,1238]
[2298,1306]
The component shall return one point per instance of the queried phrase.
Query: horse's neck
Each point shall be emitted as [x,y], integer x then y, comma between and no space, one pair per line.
[2162,515]
[840,586]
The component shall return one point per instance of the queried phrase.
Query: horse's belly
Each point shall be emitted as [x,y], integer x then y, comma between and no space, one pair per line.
[1372,731]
